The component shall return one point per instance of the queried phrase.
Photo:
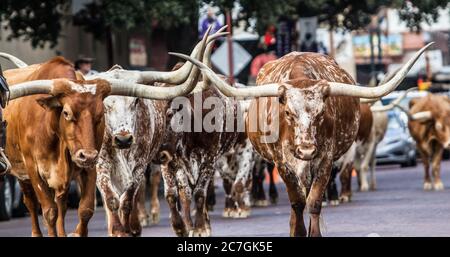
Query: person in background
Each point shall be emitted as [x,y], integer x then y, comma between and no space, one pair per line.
[209,20]
[270,37]
[309,44]
[84,65]
[261,59]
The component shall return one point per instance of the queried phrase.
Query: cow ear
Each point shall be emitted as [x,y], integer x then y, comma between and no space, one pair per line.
[49,103]
[282,94]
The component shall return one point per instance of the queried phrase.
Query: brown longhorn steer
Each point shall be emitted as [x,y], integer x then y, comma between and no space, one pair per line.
[429,125]
[55,132]
[317,106]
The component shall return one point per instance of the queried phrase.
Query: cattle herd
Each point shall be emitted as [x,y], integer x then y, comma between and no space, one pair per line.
[306,116]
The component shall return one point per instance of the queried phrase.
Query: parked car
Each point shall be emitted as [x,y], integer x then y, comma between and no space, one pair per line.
[397,146]
[11,203]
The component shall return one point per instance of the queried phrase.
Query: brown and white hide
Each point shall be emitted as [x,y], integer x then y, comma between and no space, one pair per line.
[133,134]
[235,168]
[314,130]
[192,157]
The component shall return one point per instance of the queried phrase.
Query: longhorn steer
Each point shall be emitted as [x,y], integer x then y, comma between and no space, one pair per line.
[318,122]
[55,132]
[134,132]
[429,125]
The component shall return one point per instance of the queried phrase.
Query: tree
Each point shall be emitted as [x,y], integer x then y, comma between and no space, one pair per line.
[39,21]
[355,14]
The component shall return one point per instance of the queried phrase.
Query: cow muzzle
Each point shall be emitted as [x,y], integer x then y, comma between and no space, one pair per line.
[123,141]
[305,152]
[84,158]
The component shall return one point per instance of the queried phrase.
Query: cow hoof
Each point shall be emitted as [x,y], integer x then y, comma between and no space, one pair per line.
[334,202]
[199,233]
[36,234]
[240,214]
[120,234]
[324,204]
[155,218]
[364,188]
[373,187]
[345,199]
[438,186]
[181,233]
[74,235]
[261,203]
[427,186]
[145,221]
[210,208]
[227,213]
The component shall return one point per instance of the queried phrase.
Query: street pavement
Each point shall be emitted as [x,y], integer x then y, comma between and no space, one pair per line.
[399,207]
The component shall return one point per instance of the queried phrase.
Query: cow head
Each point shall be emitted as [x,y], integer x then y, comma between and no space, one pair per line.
[77,108]
[121,120]
[435,113]
[302,106]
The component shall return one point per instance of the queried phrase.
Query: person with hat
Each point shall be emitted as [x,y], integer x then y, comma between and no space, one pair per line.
[84,65]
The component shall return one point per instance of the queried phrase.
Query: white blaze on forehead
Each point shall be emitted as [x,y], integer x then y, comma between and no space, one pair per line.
[306,105]
[85,88]
[120,114]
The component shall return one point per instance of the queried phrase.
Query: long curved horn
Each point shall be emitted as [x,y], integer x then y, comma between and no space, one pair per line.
[418,116]
[19,63]
[171,77]
[390,106]
[368,100]
[386,78]
[31,88]
[342,89]
[263,90]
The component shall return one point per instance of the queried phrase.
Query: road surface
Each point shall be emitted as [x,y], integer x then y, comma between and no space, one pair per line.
[398,208]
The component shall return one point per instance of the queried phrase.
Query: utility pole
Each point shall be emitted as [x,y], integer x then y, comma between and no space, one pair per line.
[230,47]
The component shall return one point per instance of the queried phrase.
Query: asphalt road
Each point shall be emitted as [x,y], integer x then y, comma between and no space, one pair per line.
[398,208]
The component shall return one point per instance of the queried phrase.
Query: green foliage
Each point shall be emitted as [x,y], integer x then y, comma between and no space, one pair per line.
[40,20]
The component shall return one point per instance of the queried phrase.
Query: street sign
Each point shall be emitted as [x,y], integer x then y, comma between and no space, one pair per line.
[240,58]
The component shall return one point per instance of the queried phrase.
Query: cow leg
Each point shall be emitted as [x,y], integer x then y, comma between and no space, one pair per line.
[436,167]
[134,221]
[365,162]
[297,199]
[332,191]
[346,182]
[373,179]
[229,203]
[154,201]
[245,163]
[126,206]
[143,216]
[110,202]
[171,195]
[32,204]
[314,199]
[202,227]
[86,207]
[259,197]
[273,192]
[61,203]
[46,199]
[211,196]
[426,165]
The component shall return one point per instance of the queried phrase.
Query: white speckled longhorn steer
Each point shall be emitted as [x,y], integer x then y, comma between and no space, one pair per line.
[133,135]
[317,105]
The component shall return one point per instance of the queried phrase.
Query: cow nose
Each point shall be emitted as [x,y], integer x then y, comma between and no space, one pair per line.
[85,157]
[123,141]
[305,152]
